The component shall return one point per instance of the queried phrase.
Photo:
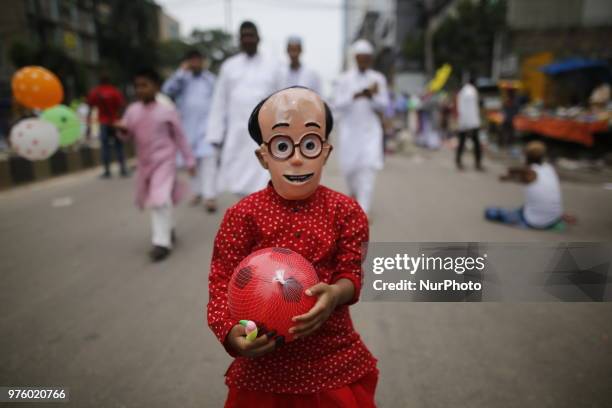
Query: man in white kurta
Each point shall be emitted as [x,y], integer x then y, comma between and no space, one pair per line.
[468,122]
[243,81]
[191,87]
[361,96]
[295,73]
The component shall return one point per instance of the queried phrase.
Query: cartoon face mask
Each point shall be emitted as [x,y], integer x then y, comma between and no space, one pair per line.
[295,147]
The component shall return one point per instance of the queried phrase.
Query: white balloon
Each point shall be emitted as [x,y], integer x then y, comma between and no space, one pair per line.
[34,139]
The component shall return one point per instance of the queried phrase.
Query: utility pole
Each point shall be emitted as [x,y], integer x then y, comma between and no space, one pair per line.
[228,16]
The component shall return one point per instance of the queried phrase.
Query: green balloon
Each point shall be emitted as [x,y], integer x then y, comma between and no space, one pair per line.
[66,121]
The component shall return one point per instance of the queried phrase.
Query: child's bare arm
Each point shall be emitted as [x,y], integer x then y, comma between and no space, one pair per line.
[123,125]
[346,291]
[329,297]
[123,132]
[519,174]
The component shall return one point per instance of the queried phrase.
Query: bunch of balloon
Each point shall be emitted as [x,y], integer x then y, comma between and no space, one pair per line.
[66,121]
[34,139]
[37,138]
[37,88]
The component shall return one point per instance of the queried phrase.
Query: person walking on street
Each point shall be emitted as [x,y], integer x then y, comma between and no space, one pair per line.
[158,135]
[243,81]
[191,87]
[510,109]
[109,101]
[361,98]
[468,122]
[296,74]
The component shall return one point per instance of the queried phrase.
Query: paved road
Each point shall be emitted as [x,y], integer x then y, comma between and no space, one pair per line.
[83,307]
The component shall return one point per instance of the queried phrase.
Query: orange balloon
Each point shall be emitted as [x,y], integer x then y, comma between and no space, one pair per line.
[37,87]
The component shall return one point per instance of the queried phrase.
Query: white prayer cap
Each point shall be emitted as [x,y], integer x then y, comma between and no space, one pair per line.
[294,40]
[362,46]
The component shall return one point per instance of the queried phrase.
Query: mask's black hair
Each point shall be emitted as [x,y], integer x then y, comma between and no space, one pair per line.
[150,74]
[255,129]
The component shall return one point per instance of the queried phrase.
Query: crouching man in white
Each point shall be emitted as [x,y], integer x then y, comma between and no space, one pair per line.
[543,207]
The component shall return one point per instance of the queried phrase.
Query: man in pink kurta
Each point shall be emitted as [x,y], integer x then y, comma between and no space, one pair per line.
[158,135]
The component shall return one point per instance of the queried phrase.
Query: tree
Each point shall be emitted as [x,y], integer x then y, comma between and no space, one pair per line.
[465,40]
[70,72]
[171,52]
[127,36]
[461,35]
[215,44]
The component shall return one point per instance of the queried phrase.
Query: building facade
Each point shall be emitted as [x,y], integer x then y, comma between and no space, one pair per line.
[564,28]
[544,31]
[169,27]
[393,26]
[375,21]
[58,31]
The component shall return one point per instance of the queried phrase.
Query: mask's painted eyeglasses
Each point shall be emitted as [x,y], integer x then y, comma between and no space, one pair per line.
[281,147]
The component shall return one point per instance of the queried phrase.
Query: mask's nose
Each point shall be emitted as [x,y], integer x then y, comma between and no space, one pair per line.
[297,159]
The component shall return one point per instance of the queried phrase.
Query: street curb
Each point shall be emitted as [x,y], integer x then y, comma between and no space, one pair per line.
[16,171]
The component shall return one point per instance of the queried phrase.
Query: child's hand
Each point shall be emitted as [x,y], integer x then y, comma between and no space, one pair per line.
[329,297]
[373,88]
[119,125]
[263,344]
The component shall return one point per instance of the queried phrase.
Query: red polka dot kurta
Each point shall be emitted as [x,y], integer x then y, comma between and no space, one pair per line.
[328,229]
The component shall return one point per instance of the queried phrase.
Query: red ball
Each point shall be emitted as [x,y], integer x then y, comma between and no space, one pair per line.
[268,287]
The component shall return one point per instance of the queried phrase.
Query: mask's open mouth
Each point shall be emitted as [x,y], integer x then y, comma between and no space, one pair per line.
[298,178]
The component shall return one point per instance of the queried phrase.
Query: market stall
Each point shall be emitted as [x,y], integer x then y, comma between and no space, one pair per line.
[566,129]
[570,112]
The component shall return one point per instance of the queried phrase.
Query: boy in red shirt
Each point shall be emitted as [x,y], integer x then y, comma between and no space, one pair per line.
[328,364]
[110,102]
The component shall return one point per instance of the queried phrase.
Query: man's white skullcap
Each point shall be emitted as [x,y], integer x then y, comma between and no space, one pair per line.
[294,40]
[362,46]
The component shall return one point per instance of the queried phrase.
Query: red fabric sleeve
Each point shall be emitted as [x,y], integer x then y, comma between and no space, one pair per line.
[120,100]
[233,243]
[354,232]
[91,97]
